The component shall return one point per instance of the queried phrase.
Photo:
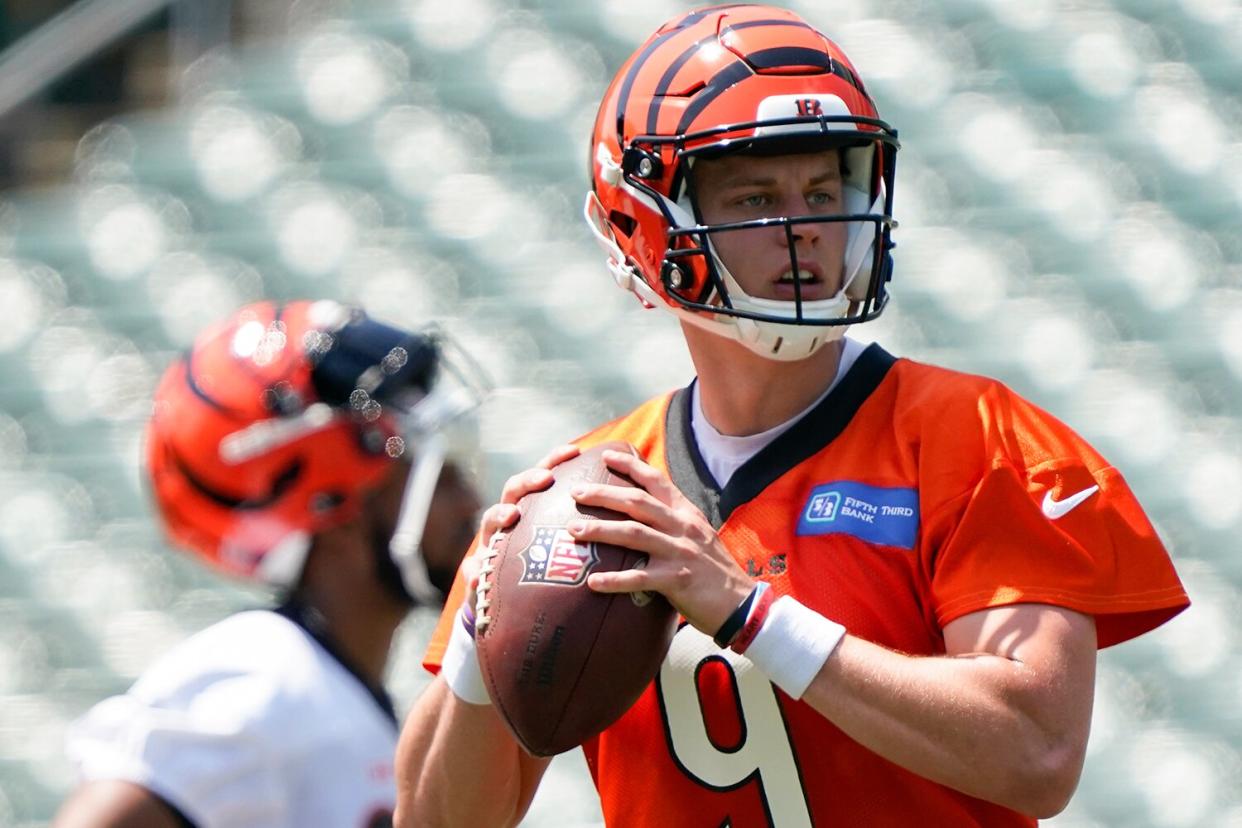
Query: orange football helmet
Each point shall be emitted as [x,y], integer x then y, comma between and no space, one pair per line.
[279,420]
[737,79]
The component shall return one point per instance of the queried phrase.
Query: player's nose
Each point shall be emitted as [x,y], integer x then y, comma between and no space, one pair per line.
[794,206]
[805,233]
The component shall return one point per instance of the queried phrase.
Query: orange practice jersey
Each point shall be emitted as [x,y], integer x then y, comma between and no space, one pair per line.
[911,496]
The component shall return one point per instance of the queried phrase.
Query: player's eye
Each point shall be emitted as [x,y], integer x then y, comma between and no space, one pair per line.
[754,200]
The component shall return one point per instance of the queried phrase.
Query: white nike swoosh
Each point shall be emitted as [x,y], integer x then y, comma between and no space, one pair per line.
[1054,509]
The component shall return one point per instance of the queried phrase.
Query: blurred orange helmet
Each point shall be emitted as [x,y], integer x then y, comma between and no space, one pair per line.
[275,425]
[737,79]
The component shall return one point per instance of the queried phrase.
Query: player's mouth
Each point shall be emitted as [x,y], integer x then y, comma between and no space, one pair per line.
[807,280]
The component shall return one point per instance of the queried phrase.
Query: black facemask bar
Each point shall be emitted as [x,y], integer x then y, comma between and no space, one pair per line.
[641,162]
[674,272]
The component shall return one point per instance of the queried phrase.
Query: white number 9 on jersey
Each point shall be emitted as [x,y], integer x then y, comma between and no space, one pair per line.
[763,749]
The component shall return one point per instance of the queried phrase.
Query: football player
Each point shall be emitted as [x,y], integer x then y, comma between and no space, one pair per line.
[893,577]
[302,446]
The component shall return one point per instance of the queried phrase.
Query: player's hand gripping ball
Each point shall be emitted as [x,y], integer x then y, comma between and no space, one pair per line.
[562,662]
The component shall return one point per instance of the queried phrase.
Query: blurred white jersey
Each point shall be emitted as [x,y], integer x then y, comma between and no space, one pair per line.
[251,722]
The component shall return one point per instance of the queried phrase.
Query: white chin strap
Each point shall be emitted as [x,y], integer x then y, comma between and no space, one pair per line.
[433,428]
[283,563]
[405,545]
[783,341]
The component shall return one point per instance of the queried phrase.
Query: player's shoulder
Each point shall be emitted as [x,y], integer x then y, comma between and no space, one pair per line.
[247,664]
[977,413]
[252,694]
[258,640]
[925,382]
[941,395]
[642,426]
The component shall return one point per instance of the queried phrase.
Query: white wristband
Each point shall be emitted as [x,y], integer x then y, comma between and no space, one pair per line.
[793,644]
[460,666]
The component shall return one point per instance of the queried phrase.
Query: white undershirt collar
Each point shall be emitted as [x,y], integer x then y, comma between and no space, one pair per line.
[724,454]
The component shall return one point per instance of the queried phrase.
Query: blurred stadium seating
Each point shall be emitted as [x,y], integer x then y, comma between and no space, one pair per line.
[1070,192]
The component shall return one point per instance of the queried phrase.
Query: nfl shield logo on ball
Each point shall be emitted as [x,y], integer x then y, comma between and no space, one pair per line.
[554,557]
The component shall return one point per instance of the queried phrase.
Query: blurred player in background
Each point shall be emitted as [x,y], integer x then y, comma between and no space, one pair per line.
[894,577]
[302,446]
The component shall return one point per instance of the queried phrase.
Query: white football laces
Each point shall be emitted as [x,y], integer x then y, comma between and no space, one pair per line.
[482,601]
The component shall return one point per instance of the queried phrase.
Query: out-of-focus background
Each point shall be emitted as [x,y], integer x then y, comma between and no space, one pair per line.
[1070,194]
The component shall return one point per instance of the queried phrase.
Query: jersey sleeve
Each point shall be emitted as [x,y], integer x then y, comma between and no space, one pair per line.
[434,654]
[1030,513]
[203,754]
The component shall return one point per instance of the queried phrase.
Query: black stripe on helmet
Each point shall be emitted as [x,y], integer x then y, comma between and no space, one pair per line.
[281,483]
[666,80]
[197,390]
[723,80]
[741,70]
[623,95]
[748,24]
[785,56]
[842,71]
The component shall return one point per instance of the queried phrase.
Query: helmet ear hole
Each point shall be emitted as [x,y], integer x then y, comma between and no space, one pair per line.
[625,224]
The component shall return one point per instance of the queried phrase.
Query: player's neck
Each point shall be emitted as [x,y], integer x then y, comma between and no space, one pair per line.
[366,642]
[743,393]
[359,619]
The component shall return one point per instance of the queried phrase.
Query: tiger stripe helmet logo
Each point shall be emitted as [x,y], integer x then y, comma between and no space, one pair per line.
[726,79]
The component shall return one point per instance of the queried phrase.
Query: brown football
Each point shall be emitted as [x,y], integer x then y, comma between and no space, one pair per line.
[562,662]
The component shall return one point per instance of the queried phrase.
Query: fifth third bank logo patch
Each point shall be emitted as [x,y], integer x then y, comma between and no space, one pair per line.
[876,514]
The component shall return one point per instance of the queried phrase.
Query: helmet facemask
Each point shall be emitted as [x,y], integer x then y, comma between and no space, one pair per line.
[696,277]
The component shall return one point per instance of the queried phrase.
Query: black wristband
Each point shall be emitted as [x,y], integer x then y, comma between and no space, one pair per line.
[734,623]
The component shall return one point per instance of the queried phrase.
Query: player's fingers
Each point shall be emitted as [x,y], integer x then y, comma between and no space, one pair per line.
[558,455]
[470,573]
[470,568]
[627,533]
[523,483]
[644,474]
[625,580]
[498,517]
[629,500]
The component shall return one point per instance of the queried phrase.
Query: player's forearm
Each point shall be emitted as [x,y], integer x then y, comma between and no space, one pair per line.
[458,766]
[981,724]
